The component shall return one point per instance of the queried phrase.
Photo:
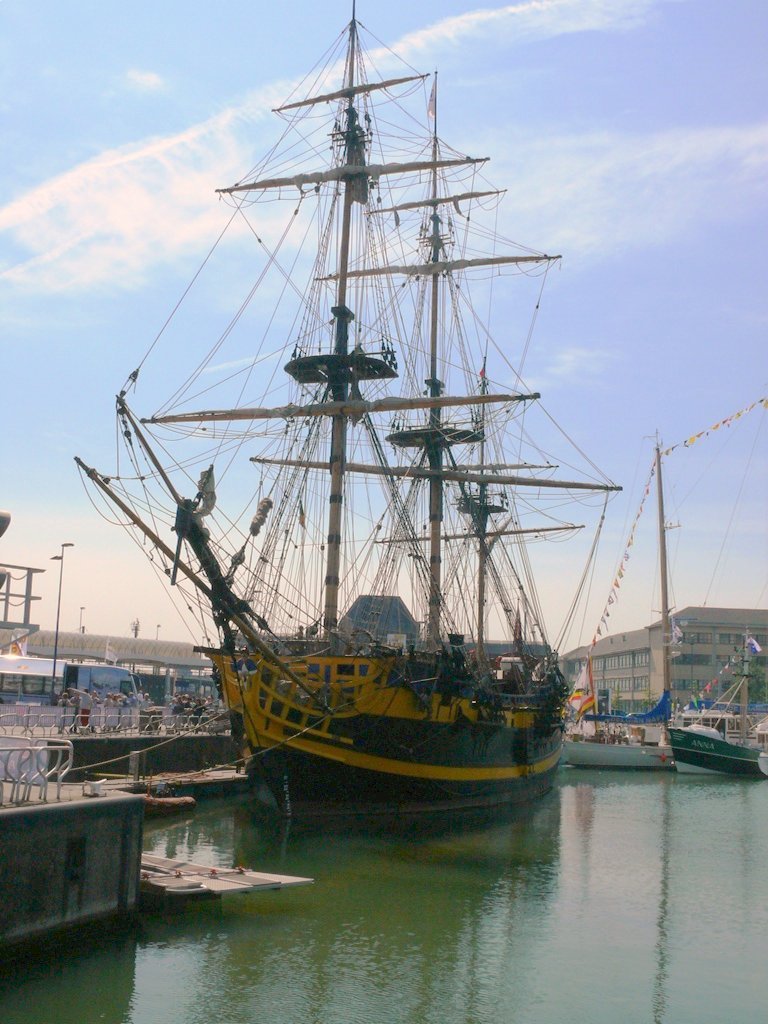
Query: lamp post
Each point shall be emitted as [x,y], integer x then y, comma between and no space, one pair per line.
[80,627]
[58,558]
[157,633]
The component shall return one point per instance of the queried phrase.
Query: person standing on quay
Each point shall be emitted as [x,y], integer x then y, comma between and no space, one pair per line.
[68,704]
[86,700]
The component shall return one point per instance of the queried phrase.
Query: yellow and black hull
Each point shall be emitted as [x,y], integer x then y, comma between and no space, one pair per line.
[354,740]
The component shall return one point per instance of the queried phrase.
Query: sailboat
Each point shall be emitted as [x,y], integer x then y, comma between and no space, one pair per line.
[723,740]
[639,741]
[348,620]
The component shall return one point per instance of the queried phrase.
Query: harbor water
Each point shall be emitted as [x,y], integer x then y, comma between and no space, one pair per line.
[617,898]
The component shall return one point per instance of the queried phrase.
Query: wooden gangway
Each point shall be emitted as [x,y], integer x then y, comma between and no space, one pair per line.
[172,880]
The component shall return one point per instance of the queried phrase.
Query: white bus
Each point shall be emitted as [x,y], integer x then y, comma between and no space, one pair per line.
[30,680]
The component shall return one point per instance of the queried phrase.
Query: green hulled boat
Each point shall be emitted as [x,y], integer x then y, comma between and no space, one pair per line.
[724,739]
[701,748]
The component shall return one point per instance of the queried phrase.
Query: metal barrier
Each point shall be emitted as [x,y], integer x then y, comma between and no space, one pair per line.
[14,762]
[30,764]
[33,720]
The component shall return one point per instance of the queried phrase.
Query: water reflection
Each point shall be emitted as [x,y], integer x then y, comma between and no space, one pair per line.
[402,915]
[603,902]
[87,978]
[659,996]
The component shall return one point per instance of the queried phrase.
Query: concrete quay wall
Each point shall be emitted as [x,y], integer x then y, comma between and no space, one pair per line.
[158,754]
[68,864]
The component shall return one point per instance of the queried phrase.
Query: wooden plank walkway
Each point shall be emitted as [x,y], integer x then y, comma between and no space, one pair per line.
[181,879]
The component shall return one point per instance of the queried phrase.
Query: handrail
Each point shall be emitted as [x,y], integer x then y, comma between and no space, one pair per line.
[35,763]
[40,721]
[14,765]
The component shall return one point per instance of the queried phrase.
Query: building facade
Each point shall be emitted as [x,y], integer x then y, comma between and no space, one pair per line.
[627,668]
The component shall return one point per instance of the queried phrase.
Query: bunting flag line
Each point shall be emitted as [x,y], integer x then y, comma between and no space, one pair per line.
[613,595]
[723,423]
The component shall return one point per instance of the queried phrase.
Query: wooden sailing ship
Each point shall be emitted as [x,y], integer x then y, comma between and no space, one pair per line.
[349,631]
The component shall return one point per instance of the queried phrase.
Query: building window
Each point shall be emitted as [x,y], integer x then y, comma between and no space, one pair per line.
[641,658]
[625,661]
[730,638]
[697,638]
[694,659]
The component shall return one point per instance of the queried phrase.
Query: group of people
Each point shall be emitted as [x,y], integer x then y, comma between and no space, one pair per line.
[78,707]
[193,705]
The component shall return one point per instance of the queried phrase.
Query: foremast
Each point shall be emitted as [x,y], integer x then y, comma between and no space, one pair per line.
[355,188]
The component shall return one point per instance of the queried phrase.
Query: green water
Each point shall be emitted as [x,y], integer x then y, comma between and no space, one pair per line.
[618,898]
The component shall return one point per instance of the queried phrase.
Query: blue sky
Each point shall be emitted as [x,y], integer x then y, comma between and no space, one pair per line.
[633,137]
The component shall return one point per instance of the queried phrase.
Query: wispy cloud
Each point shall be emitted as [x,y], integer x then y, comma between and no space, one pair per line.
[526,20]
[117,217]
[567,365]
[144,81]
[599,192]
[130,208]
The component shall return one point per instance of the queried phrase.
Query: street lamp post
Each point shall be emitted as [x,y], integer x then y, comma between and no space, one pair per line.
[80,627]
[58,558]
[157,633]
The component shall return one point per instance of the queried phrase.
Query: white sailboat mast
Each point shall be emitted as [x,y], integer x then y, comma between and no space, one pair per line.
[666,633]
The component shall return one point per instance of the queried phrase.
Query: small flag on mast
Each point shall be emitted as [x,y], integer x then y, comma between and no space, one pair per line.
[582,699]
[432,105]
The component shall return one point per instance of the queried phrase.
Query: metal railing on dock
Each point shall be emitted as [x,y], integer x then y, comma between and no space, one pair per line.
[28,765]
[33,720]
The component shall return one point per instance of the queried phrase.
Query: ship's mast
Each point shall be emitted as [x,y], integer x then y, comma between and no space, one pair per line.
[744,692]
[354,153]
[666,635]
[482,544]
[434,449]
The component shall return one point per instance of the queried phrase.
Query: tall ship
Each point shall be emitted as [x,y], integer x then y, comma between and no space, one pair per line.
[371,441]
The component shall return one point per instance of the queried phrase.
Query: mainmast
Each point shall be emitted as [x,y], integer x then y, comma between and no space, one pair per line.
[435,436]
[434,384]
